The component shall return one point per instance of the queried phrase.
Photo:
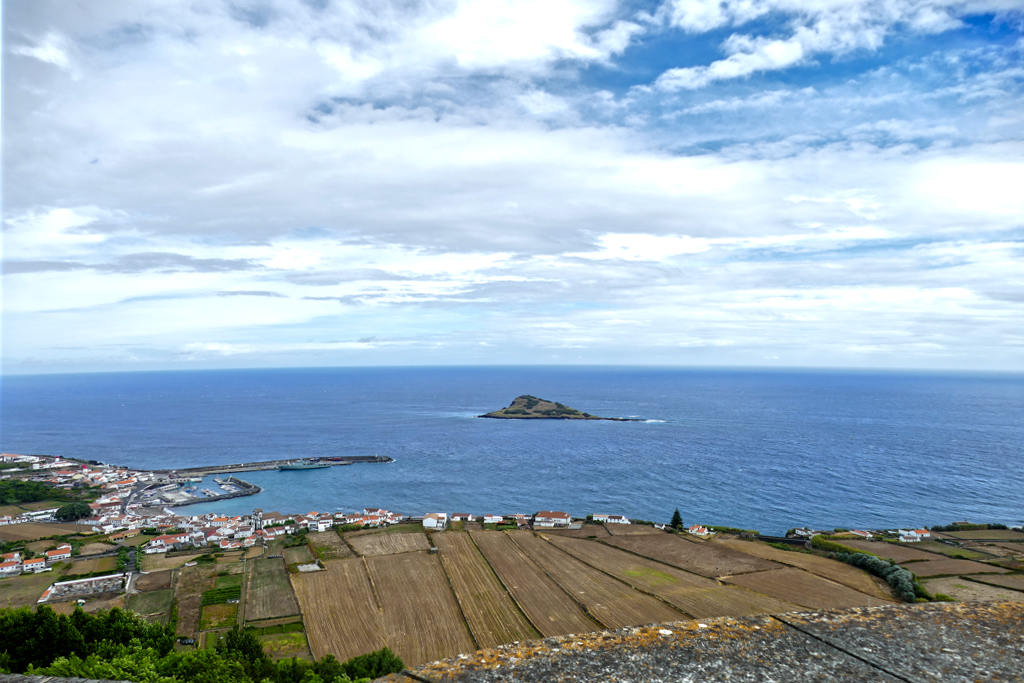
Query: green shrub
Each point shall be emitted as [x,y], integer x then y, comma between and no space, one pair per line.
[219,596]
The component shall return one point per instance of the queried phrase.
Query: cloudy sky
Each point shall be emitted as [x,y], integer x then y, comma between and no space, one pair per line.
[692,182]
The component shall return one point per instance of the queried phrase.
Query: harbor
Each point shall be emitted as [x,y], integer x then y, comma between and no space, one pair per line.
[180,492]
[337,461]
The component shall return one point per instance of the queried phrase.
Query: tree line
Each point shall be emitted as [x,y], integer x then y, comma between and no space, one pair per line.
[120,645]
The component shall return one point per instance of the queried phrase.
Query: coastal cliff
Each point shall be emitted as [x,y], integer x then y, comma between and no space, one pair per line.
[528,407]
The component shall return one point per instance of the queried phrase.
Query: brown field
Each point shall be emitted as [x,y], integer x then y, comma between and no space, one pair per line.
[154,581]
[855,578]
[611,602]
[388,544]
[19,591]
[588,531]
[548,607]
[254,552]
[105,601]
[964,591]
[233,556]
[1016,548]
[705,559]
[493,617]
[1015,581]
[803,588]
[892,551]
[33,530]
[298,555]
[697,596]
[939,567]
[631,530]
[188,589]
[329,545]
[40,546]
[419,618]
[218,616]
[269,594]
[100,564]
[134,541]
[160,562]
[96,548]
[986,534]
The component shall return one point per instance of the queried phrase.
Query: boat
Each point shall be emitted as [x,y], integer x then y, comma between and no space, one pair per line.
[303,465]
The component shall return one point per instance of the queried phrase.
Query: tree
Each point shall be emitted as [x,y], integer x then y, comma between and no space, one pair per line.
[72,512]
[677,520]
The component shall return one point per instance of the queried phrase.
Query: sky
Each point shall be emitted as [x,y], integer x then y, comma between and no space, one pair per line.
[268,183]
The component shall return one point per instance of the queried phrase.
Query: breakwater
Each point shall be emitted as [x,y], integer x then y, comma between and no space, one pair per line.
[179,498]
[184,472]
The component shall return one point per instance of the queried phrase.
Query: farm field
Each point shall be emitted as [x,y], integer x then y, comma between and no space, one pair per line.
[298,555]
[803,588]
[701,558]
[588,531]
[188,589]
[548,607]
[154,581]
[986,534]
[854,578]
[493,618]
[1016,548]
[964,590]
[892,551]
[421,615]
[218,616]
[631,530]
[286,645]
[40,546]
[697,596]
[269,594]
[96,548]
[949,551]
[388,544]
[32,531]
[254,552]
[153,602]
[134,541]
[159,562]
[939,567]
[106,601]
[1015,581]
[19,591]
[99,564]
[418,618]
[329,545]
[609,601]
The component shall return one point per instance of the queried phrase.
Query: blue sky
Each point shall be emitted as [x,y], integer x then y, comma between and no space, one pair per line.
[738,182]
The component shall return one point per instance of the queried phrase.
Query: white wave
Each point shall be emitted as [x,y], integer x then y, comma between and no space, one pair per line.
[654,420]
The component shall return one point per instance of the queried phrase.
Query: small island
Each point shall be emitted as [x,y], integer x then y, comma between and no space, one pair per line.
[528,407]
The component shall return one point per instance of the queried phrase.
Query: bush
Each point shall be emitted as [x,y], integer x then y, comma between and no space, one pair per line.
[733,530]
[899,579]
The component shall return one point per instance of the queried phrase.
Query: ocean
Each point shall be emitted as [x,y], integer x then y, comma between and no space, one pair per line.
[766,450]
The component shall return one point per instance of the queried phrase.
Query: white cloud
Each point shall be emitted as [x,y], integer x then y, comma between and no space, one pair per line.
[51,49]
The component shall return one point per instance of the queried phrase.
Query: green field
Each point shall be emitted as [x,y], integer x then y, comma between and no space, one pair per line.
[229,581]
[951,551]
[218,616]
[19,591]
[153,602]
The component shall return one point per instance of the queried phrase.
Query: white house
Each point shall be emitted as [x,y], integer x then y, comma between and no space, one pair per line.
[36,565]
[10,568]
[493,519]
[914,535]
[435,520]
[462,517]
[862,534]
[61,552]
[698,530]
[319,524]
[611,519]
[549,518]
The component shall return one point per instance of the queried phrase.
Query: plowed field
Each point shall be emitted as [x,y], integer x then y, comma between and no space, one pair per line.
[695,595]
[1015,581]
[588,531]
[703,558]
[388,544]
[547,605]
[154,581]
[939,567]
[420,619]
[803,588]
[987,534]
[269,593]
[857,579]
[493,618]
[632,530]
[611,602]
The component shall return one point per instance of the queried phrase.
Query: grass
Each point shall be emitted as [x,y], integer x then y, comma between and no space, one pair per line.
[269,594]
[19,591]
[218,616]
[155,563]
[153,602]
[952,551]
[229,581]
[100,564]
[219,596]
[286,645]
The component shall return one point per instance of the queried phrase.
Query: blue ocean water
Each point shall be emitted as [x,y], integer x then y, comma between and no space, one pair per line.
[759,449]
